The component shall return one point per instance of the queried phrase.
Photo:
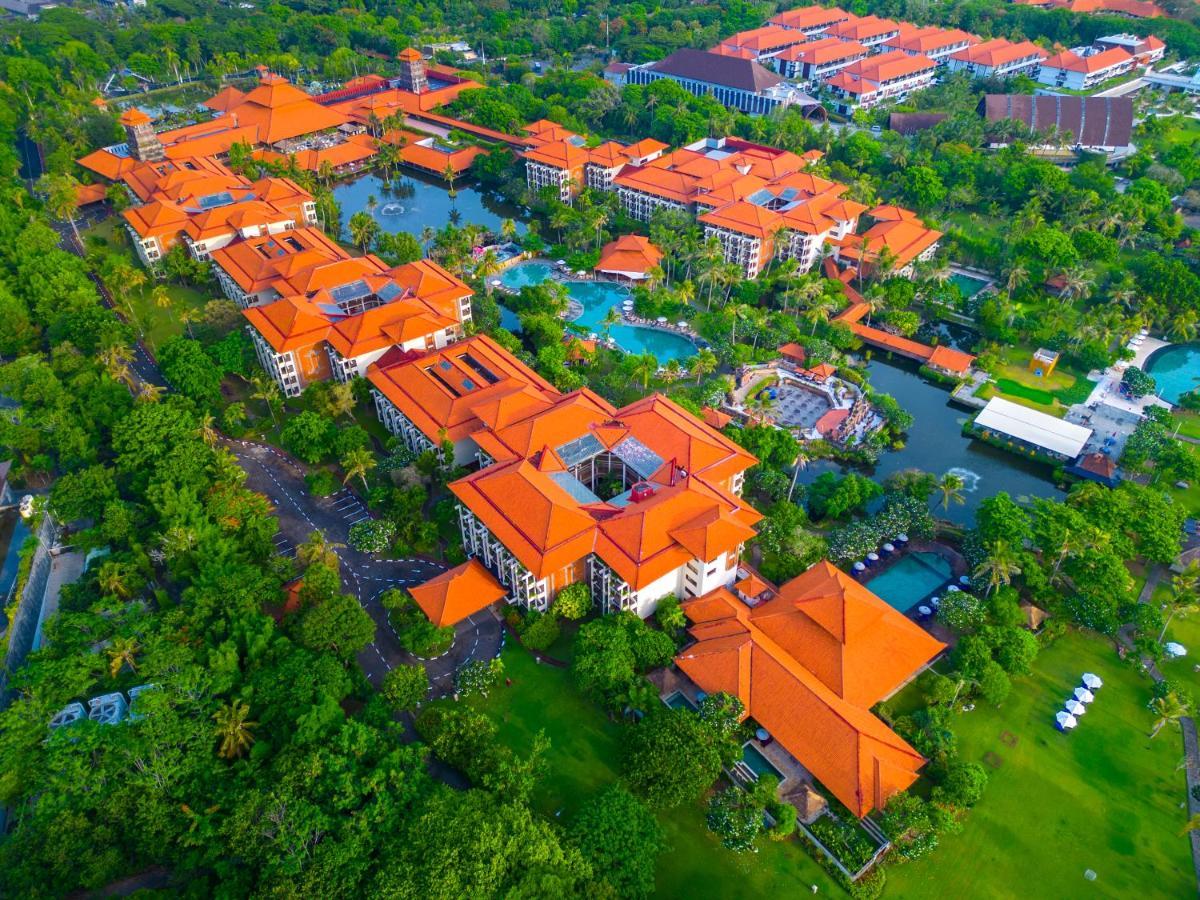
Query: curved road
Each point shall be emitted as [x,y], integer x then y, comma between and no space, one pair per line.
[366,577]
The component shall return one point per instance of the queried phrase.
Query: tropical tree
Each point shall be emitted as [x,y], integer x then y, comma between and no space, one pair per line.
[357,463]
[122,652]
[319,550]
[207,429]
[1185,595]
[703,363]
[339,399]
[117,579]
[266,390]
[1168,710]
[999,567]
[951,488]
[363,229]
[645,365]
[62,199]
[234,729]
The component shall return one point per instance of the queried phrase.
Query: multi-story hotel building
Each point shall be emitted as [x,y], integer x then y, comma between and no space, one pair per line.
[936,43]
[1080,70]
[812,21]
[888,76]
[998,58]
[639,503]
[870,31]
[819,59]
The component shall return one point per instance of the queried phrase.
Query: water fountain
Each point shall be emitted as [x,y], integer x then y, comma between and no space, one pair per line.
[391,209]
[970,479]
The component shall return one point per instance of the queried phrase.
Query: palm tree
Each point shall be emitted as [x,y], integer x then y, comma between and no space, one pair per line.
[1017,278]
[151,393]
[116,359]
[363,229]
[611,318]
[951,487]
[488,265]
[116,579]
[508,229]
[999,567]
[62,199]
[703,363]
[357,463]
[207,429]
[160,296]
[318,550]
[268,391]
[1168,710]
[122,652]
[1077,283]
[1183,326]
[644,367]
[234,729]
[1185,595]
[672,370]
[1193,824]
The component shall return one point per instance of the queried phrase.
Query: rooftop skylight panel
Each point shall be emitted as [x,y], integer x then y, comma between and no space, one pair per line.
[574,452]
[389,291]
[638,456]
[573,486]
[352,291]
[212,201]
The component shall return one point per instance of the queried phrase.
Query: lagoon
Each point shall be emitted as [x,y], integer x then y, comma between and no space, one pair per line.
[936,444]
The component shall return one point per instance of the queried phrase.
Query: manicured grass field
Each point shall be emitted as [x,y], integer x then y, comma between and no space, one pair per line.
[1189,496]
[1051,394]
[584,757]
[1104,797]
[1189,423]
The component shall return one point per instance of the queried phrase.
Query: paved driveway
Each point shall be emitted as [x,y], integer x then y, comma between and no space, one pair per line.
[365,576]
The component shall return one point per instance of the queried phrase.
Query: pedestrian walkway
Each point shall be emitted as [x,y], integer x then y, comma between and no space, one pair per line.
[66,568]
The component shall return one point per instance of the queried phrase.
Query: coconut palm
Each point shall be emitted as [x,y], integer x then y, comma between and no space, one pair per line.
[611,319]
[1078,282]
[357,463]
[999,567]
[122,652]
[207,429]
[116,359]
[363,229]
[951,488]
[317,549]
[268,391]
[1168,710]
[1185,595]
[160,296]
[62,198]
[117,579]
[234,729]
[151,393]
[703,363]
[508,229]
[645,365]
[1183,326]
[488,265]
[1017,278]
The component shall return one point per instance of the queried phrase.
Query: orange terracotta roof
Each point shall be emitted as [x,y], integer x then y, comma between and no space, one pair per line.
[645,147]
[864,28]
[999,52]
[134,116]
[157,219]
[268,262]
[289,323]
[458,594]
[409,54]
[766,657]
[889,66]
[950,359]
[824,51]
[1072,62]
[107,164]
[558,154]
[225,99]
[714,418]
[355,149]
[793,352]
[425,155]
[762,40]
[745,218]
[279,110]
[629,253]
[926,40]
[805,17]
[86,194]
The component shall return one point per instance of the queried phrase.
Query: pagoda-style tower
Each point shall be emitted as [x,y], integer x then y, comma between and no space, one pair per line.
[139,134]
[412,72]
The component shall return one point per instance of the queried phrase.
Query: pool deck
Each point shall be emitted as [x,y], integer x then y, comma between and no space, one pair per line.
[958,568]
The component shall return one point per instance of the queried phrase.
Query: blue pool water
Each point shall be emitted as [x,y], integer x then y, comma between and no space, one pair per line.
[911,579]
[1176,370]
[596,298]
[679,700]
[758,763]
[969,285]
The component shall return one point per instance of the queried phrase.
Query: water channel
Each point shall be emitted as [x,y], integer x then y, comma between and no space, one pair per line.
[936,444]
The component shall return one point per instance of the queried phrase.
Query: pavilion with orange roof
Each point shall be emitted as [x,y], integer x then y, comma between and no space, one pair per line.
[630,256]
[808,660]
[458,593]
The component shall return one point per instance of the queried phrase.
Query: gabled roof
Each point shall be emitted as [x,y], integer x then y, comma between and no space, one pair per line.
[804,18]
[824,51]
[999,52]
[458,593]
[279,110]
[629,253]
[1070,61]
[766,657]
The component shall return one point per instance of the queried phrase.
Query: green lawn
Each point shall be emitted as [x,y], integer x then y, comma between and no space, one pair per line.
[154,324]
[1104,797]
[1188,422]
[584,757]
[1189,496]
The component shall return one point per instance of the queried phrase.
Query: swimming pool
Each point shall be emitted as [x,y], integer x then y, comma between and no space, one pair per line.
[911,579]
[1176,370]
[968,284]
[597,298]
[679,700]
[758,763]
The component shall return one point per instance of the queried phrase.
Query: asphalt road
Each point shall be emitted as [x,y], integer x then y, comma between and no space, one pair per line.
[364,576]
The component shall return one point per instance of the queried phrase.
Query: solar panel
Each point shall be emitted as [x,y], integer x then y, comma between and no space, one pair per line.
[638,456]
[573,486]
[121,150]
[574,452]
[389,291]
[212,201]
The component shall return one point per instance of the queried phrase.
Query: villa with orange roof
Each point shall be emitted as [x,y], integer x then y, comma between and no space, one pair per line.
[891,75]
[998,58]
[350,313]
[897,233]
[819,59]
[1080,70]
[630,256]
[260,270]
[808,661]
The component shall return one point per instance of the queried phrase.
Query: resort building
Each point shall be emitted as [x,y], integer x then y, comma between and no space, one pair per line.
[998,58]
[1085,68]
[810,20]
[896,235]
[819,59]
[738,83]
[1130,9]
[1146,50]
[937,44]
[630,256]
[760,43]
[261,270]
[1094,124]
[889,76]
[640,502]
[870,31]
[355,311]
[808,661]
[278,110]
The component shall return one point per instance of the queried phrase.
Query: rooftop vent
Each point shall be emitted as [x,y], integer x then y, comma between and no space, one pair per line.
[642,490]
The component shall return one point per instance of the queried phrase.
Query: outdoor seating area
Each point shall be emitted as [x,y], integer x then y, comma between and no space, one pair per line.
[799,406]
[1076,705]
